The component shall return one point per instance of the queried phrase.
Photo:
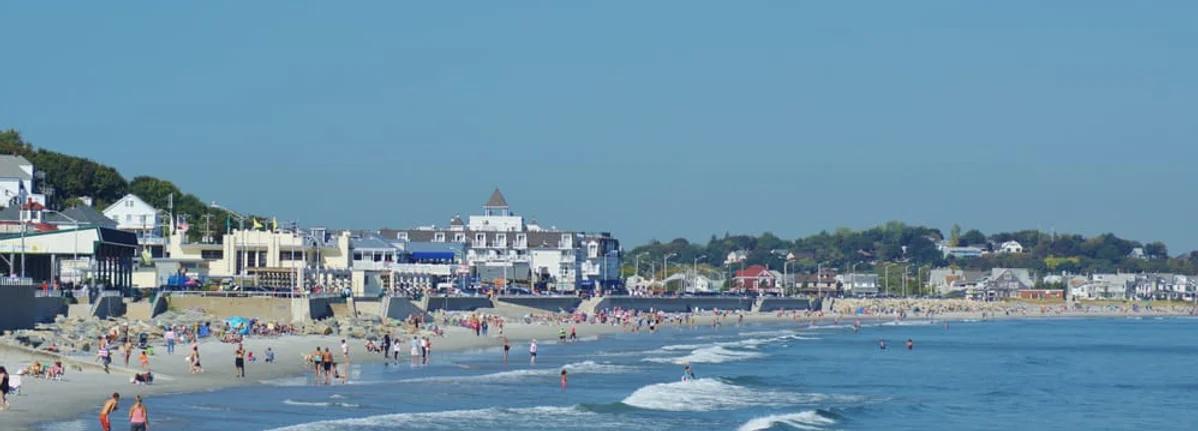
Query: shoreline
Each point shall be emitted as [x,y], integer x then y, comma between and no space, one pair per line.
[87,387]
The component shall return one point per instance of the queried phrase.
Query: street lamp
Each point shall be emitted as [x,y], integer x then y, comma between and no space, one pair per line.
[665,268]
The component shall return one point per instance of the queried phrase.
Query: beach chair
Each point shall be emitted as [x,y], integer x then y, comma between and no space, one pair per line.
[14,384]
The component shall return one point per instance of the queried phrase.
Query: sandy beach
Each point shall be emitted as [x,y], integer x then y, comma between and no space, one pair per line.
[86,386]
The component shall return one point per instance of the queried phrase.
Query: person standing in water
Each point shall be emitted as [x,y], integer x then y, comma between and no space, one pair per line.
[910,344]
[507,346]
[110,406]
[532,352]
[882,344]
[688,373]
[565,380]
[139,417]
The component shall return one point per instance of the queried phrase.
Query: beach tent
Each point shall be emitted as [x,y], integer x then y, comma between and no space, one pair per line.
[240,324]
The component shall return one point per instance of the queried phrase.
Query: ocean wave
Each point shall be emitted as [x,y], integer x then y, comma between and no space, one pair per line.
[710,394]
[292,402]
[708,355]
[585,367]
[805,420]
[542,417]
[287,381]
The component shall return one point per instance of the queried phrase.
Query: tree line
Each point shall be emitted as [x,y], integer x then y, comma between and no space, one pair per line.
[870,250]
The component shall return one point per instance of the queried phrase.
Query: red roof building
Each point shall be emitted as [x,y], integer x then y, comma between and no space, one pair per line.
[755,278]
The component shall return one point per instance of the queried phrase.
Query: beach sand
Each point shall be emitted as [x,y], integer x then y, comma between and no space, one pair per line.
[85,386]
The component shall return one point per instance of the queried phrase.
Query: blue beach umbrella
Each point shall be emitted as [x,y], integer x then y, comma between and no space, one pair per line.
[240,324]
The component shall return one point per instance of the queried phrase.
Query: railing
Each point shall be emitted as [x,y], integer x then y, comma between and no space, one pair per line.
[233,293]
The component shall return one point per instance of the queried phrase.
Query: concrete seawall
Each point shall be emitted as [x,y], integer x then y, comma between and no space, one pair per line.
[276,309]
[458,303]
[47,308]
[17,308]
[546,303]
[400,308]
[675,305]
[780,304]
[109,306]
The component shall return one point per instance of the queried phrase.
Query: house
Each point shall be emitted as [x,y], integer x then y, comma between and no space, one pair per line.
[1010,247]
[735,257]
[962,252]
[1003,283]
[859,284]
[824,283]
[690,282]
[947,280]
[755,278]
[1104,286]
[16,182]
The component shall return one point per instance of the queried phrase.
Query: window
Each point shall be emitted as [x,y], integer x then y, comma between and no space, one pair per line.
[129,203]
[480,240]
[593,250]
[402,236]
[501,240]
[212,254]
[357,255]
[521,240]
[459,237]
[143,219]
[439,237]
[566,241]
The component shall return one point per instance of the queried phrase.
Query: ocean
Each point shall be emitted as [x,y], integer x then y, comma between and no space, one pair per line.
[1010,374]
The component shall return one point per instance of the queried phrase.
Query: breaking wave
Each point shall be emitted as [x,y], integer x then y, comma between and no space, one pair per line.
[805,420]
[585,367]
[709,394]
[544,417]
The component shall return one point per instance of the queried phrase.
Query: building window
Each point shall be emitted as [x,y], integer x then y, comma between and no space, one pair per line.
[212,254]
[480,240]
[459,237]
[521,240]
[402,236]
[439,237]
[501,240]
[593,250]
[357,255]
[566,241]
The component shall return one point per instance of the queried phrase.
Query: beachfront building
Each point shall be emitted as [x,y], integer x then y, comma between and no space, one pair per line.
[859,284]
[825,282]
[691,282]
[38,245]
[755,278]
[279,259]
[1105,286]
[132,214]
[17,182]
[946,281]
[503,250]
[1002,283]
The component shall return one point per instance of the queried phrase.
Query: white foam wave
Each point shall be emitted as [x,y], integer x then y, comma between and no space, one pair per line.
[548,417]
[292,402]
[806,420]
[585,367]
[713,394]
[75,425]
[709,355]
[287,381]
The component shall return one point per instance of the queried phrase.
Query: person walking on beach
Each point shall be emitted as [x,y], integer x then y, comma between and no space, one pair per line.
[317,360]
[4,388]
[344,352]
[104,355]
[127,349]
[507,346]
[239,361]
[109,406]
[170,337]
[386,345]
[428,349]
[139,417]
[532,352]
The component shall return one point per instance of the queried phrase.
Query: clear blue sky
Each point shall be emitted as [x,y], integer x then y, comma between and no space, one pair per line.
[650,119]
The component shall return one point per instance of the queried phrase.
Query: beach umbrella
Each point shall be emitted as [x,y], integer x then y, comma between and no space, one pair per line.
[240,324]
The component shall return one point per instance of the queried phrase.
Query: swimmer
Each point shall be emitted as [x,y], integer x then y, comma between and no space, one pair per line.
[882,344]
[688,373]
[910,344]
[565,380]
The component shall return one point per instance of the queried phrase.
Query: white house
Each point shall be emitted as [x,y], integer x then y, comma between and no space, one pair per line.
[134,215]
[1011,247]
[16,181]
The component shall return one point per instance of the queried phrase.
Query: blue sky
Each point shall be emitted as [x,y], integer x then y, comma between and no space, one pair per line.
[648,119]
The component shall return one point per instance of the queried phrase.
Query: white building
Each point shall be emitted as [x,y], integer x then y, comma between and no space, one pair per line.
[1011,247]
[16,181]
[502,249]
[132,214]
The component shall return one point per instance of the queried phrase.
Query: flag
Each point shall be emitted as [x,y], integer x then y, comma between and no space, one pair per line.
[146,257]
[274,224]
[257,224]
[182,225]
